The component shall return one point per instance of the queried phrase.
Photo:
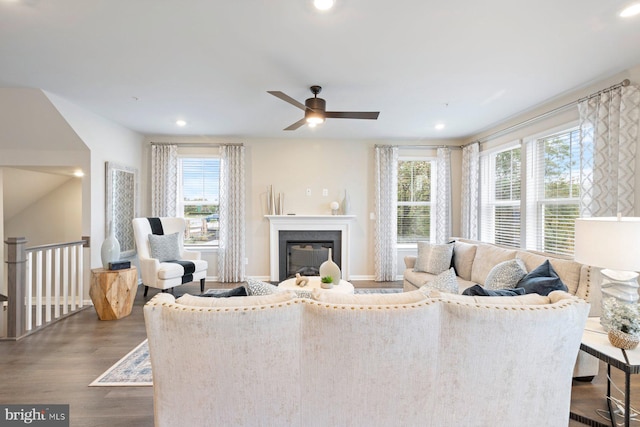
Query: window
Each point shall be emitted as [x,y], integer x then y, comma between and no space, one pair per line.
[553,191]
[500,183]
[416,178]
[198,198]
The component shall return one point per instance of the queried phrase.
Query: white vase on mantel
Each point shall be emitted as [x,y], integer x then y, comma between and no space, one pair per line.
[330,268]
[346,204]
[110,250]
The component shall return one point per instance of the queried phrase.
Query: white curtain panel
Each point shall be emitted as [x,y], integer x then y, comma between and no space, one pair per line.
[386,228]
[470,191]
[231,252]
[443,195]
[608,137]
[164,180]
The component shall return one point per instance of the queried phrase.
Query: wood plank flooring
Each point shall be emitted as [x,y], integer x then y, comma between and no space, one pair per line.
[56,365]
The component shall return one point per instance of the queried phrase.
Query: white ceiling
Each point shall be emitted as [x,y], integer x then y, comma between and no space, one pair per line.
[470,64]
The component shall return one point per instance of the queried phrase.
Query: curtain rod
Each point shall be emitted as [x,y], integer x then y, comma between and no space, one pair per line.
[194,144]
[452,147]
[625,82]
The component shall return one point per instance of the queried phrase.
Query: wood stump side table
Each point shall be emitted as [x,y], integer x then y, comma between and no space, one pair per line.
[113,292]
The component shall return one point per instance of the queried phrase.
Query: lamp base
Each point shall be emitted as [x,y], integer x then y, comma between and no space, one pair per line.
[620,285]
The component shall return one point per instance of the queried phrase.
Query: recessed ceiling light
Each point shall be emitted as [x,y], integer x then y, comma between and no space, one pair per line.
[181,123]
[439,126]
[78,173]
[631,10]
[323,4]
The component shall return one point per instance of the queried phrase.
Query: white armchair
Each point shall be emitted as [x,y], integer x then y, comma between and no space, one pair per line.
[164,263]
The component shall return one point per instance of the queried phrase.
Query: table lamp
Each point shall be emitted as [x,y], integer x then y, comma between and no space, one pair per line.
[611,243]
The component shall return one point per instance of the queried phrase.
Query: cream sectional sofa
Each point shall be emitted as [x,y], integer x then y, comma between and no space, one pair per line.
[408,359]
[473,261]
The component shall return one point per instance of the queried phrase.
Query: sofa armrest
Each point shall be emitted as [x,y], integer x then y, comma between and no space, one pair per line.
[148,268]
[410,261]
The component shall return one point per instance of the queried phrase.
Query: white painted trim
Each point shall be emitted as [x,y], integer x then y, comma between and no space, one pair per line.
[340,223]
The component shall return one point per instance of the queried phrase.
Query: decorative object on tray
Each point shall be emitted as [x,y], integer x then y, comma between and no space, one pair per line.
[335,208]
[330,268]
[326,282]
[623,322]
[301,280]
[110,250]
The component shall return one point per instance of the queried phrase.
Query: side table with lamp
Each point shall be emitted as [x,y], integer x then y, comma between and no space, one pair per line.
[611,243]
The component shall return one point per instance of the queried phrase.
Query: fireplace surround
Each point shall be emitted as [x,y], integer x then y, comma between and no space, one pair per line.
[336,224]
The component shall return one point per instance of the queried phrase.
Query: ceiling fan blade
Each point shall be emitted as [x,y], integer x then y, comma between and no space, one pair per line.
[297,124]
[371,115]
[287,98]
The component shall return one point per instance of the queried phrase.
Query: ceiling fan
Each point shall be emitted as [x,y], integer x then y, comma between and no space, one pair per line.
[314,110]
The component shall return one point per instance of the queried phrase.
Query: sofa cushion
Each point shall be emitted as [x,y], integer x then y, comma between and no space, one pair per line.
[368,299]
[463,255]
[506,274]
[445,281]
[528,299]
[433,259]
[477,290]
[487,256]
[165,247]
[195,301]
[172,270]
[568,270]
[542,280]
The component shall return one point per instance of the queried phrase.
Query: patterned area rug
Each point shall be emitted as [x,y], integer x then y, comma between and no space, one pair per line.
[134,369]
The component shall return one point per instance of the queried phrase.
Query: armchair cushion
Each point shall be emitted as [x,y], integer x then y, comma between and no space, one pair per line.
[165,247]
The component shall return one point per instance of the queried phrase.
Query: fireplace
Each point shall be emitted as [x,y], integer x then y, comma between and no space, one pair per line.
[309,223]
[302,251]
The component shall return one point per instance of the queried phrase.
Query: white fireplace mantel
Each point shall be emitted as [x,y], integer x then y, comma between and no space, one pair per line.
[277,223]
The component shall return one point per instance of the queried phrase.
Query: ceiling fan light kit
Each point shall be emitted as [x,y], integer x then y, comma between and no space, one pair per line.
[315,110]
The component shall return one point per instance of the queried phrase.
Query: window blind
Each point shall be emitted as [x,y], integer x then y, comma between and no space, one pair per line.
[553,192]
[500,190]
[415,189]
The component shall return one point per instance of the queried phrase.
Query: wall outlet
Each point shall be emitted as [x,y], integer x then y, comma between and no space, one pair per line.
[246,261]
[308,192]
[372,216]
[325,192]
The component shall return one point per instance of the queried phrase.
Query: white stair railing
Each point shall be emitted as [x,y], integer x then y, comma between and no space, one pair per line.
[45,284]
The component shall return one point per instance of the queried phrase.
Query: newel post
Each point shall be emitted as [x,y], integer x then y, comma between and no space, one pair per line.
[16,259]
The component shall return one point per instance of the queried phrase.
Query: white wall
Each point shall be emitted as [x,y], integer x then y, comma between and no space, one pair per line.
[42,129]
[292,167]
[54,218]
[107,141]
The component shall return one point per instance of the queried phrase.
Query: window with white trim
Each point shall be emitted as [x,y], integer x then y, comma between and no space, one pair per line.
[553,192]
[198,198]
[416,201]
[500,190]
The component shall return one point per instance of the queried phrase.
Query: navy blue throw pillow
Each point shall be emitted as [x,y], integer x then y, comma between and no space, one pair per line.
[477,290]
[240,291]
[543,280]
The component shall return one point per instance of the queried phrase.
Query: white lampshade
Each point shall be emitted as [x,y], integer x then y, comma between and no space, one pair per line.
[608,242]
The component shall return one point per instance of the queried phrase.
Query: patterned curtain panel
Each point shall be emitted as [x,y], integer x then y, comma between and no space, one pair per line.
[231,250]
[608,137]
[470,191]
[386,227]
[443,196]
[164,180]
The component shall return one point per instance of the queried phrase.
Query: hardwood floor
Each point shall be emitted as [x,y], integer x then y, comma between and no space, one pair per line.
[56,365]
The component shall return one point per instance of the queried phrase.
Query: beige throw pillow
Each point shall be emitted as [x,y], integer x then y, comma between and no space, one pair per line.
[433,259]
[506,275]
[445,282]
